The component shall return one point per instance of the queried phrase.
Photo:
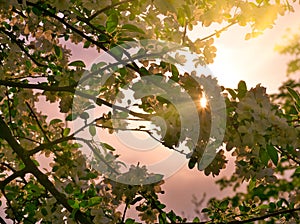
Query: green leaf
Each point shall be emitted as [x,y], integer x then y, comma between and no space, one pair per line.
[92,130]
[132,28]
[54,168]
[273,154]
[58,52]
[44,212]
[242,163]
[107,146]
[295,96]
[196,219]
[162,218]
[181,17]
[192,162]
[94,201]
[84,115]
[36,11]
[263,206]
[205,210]
[71,117]
[129,221]
[137,199]
[172,216]
[66,132]
[111,22]
[224,204]
[242,89]
[232,93]
[91,175]
[297,171]
[86,44]
[252,184]
[117,51]
[35,162]
[77,63]
[55,121]
[69,188]
[28,64]
[175,73]
[264,157]
[32,127]
[73,203]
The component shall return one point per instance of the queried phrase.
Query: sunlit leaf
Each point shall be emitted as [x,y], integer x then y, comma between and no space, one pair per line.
[132,28]
[111,22]
[107,146]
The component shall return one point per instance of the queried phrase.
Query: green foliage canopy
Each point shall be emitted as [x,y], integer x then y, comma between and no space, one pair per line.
[263,137]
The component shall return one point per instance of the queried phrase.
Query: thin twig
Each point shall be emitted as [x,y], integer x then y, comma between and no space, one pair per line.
[107,8]
[21,46]
[145,131]
[49,144]
[289,155]
[8,105]
[218,31]
[88,142]
[37,121]
[283,211]
[15,213]
[124,213]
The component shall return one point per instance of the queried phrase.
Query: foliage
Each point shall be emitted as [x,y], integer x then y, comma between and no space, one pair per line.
[35,63]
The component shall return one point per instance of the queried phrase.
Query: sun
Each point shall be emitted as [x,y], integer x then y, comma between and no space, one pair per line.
[203,101]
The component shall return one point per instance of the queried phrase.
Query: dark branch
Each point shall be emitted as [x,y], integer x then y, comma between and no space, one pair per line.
[61,20]
[39,86]
[98,156]
[21,46]
[41,177]
[49,145]
[37,121]
[16,174]
[283,211]
[107,8]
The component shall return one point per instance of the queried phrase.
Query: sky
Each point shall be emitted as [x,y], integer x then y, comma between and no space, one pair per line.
[254,60]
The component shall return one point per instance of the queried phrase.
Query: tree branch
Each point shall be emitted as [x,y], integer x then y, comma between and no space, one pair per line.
[49,144]
[145,131]
[16,174]
[40,86]
[218,31]
[295,159]
[61,20]
[88,142]
[37,121]
[2,221]
[283,211]
[41,177]
[15,213]
[21,46]
[107,8]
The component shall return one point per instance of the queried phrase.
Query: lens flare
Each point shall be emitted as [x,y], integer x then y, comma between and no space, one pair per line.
[203,101]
